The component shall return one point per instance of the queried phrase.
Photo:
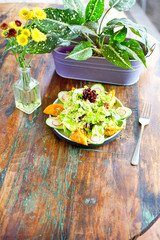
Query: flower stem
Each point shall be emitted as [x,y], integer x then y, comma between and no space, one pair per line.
[20,95]
[31,23]
[35,94]
[14,52]
[29,60]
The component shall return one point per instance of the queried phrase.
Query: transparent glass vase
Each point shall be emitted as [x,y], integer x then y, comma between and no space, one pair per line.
[26,92]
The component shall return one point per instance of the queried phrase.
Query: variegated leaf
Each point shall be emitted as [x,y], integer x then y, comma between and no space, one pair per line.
[75,5]
[120,35]
[134,50]
[46,46]
[92,25]
[135,28]
[115,55]
[58,21]
[78,29]
[81,51]
[122,5]
[94,10]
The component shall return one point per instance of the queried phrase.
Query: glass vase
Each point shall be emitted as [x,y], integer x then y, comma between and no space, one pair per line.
[26,92]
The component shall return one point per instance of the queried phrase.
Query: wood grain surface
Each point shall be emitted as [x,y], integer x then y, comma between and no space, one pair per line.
[52,190]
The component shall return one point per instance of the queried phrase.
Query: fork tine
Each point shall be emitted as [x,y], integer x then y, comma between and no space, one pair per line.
[149,110]
[146,110]
[143,110]
[147,113]
[144,120]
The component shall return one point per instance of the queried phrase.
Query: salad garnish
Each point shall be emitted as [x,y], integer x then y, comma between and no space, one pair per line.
[87,115]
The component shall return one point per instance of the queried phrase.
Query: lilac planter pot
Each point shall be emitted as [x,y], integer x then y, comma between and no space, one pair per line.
[95,69]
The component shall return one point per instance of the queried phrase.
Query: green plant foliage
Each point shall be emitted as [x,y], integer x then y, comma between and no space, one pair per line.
[108,30]
[82,51]
[122,5]
[134,50]
[120,35]
[75,5]
[92,25]
[78,29]
[46,47]
[9,48]
[114,54]
[63,26]
[135,28]
[59,20]
[94,10]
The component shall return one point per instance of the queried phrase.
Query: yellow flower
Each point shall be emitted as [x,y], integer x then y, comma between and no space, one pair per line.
[4,33]
[37,35]
[13,25]
[22,40]
[39,13]
[43,37]
[25,32]
[25,13]
[32,15]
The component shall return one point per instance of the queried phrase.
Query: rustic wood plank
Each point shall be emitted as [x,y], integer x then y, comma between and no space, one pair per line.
[102,195]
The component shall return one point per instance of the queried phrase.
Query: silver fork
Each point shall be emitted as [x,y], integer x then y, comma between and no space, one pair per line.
[144,120]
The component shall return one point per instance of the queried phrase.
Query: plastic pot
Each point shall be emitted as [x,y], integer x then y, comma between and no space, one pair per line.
[95,69]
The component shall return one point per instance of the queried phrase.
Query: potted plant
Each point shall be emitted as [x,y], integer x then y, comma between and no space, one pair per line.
[88,51]
[101,54]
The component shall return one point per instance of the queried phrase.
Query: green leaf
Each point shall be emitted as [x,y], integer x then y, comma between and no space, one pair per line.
[63,16]
[59,22]
[46,46]
[78,29]
[67,34]
[108,30]
[81,52]
[7,48]
[12,47]
[120,35]
[63,43]
[75,5]
[114,54]
[135,32]
[122,5]
[133,48]
[92,25]
[136,28]
[94,10]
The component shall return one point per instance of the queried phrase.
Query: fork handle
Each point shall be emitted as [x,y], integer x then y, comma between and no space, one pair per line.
[135,158]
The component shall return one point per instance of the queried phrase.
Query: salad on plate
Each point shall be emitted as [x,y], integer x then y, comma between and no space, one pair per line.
[87,115]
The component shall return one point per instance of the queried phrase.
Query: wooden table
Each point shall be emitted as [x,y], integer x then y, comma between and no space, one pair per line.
[52,190]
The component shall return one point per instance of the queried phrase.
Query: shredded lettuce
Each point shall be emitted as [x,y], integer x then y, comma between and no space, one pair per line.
[92,117]
[97,130]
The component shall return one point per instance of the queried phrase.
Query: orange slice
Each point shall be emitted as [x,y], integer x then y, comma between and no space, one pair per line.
[79,136]
[113,99]
[111,93]
[54,109]
[111,130]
